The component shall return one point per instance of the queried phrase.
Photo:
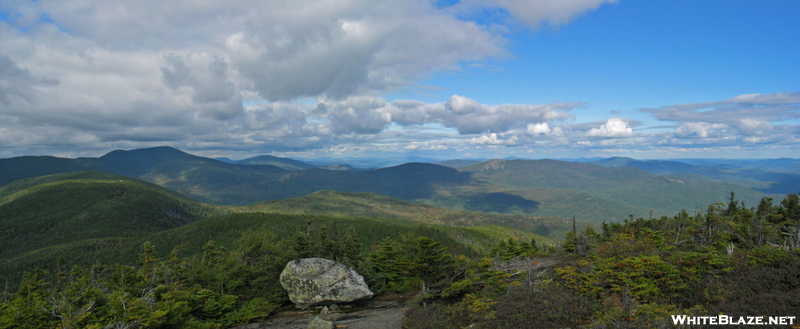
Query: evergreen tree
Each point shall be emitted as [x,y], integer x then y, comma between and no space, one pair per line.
[765,210]
[392,264]
[790,209]
[335,250]
[325,247]
[512,249]
[301,246]
[570,241]
[23,309]
[733,207]
[350,248]
[430,262]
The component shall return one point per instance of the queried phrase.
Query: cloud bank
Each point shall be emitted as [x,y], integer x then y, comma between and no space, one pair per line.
[81,77]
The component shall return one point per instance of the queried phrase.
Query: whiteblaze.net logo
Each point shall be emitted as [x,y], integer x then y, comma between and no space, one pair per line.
[732,320]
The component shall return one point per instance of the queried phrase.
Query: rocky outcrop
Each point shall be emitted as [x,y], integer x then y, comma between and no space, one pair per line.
[322,321]
[318,281]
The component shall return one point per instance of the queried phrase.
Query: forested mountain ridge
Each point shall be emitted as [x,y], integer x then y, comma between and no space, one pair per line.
[769,176]
[547,188]
[370,205]
[220,270]
[183,263]
[626,186]
[51,212]
[17,168]
[283,163]
[92,216]
[86,176]
[213,181]
[223,270]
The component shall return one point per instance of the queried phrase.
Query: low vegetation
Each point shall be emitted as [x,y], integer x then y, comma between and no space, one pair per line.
[230,278]
[223,271]
[730,260]
[97,250]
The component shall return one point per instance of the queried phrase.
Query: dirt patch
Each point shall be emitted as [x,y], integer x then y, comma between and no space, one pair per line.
[369,315]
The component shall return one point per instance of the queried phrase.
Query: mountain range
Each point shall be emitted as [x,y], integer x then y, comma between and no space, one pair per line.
[775,176]
[102,209]
[90,216]
[601,190]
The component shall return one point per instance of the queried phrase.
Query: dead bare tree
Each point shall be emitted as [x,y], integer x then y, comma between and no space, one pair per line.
[68,311]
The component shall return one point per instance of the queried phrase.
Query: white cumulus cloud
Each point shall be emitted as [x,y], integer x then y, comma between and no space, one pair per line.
[539,128]
[471,117]
[700,129]
[534,12]
[492,139]
[614,127]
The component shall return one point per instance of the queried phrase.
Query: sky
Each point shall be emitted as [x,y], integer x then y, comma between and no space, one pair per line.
[312,79]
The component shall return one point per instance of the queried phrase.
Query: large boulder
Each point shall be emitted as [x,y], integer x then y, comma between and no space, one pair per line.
[318,281]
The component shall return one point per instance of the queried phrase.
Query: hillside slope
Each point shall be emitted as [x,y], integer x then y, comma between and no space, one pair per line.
[65,208]
[628,186]
[18,168]
[225,230]
[370,205]
[88,217]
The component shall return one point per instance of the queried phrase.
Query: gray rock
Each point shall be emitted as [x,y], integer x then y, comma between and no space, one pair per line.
[319,323]
[325,314]
[318,281]
[322,321]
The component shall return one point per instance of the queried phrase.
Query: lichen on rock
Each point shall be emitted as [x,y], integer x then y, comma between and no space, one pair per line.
[319,281]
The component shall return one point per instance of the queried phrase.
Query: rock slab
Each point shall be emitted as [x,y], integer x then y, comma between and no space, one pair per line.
[319,281]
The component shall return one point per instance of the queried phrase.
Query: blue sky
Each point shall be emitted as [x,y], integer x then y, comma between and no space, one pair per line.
[444,79]
[636,54]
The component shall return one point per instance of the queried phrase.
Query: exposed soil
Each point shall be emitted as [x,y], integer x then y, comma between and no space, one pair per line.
[386,312]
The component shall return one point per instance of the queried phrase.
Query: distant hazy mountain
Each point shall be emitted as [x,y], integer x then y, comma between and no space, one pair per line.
[458,163]
[212,181]
[291,164]
[658,167]
[780,164]
[12,169]
[531,187]
[227,160]
[284,163]
[624,186]
[369,163]
[580,160]
[782,178]
[339,166]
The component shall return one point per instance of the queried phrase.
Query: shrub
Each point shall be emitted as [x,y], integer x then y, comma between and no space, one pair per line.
[555,307]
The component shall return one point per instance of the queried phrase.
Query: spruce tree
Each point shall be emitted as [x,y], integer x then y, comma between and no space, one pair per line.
[325,247]
[350,247]
[301,246]
[430,262]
